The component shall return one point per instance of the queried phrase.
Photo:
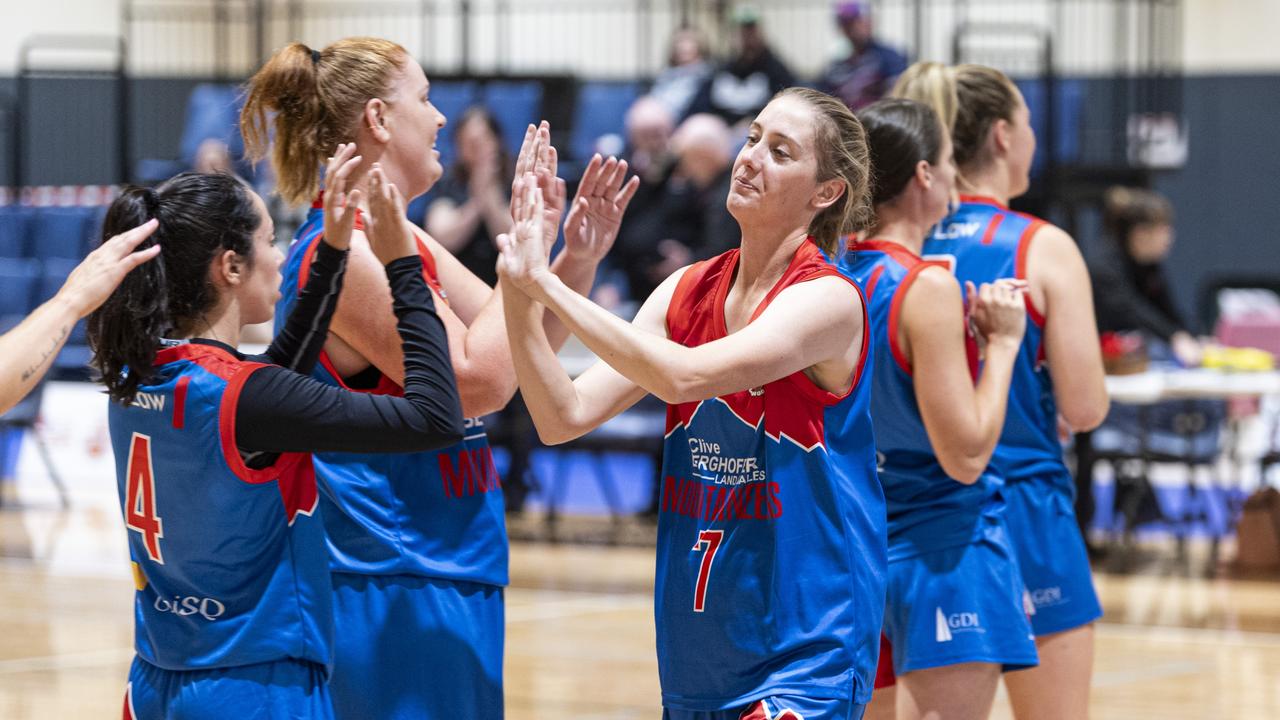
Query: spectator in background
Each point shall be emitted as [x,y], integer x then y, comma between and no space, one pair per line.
[1129,285]
[742,86]
[649,124]
[471,205]
[687,69]
[683,217]
[869,70]
[213,155]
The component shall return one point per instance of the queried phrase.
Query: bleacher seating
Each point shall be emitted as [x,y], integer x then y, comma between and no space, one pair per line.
[514,105]
[19,278]
[61,232]
[600,109]
[14,227]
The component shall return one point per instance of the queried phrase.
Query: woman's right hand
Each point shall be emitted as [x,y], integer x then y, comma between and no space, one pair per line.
[998,310]
[390,234]
[99,274]
[339,204]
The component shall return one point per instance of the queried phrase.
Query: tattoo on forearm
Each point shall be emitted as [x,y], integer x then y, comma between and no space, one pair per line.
[48,353]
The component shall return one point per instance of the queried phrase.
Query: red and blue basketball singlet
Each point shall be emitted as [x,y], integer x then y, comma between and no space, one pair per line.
[984,241]
[436,514]
[771,544]
[927,509]
[229,561]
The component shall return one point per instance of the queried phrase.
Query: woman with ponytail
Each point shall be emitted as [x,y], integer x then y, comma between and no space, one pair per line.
[233,613]
[935,429]
[1058,373]
[418,544]
[27,350]
[771,531]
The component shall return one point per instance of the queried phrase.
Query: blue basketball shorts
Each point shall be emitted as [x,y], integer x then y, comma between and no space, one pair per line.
[1051,554]
[283,689]
[781,707]
[416,647]
[958,605]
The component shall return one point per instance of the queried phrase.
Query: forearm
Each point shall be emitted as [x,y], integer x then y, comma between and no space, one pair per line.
[27,351]
[992,397]
[647,360]
[483,362]
[299,343]
[548,392]
[579,275]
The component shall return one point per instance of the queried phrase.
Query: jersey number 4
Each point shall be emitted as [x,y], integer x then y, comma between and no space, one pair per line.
[140,497]
[708,543]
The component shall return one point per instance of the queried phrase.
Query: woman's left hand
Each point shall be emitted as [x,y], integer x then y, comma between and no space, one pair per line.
[522,258]
[597,209]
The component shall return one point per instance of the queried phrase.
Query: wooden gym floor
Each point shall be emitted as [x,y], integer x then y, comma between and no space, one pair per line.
[580,629]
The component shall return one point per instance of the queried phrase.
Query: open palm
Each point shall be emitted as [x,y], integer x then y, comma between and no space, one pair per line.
[598,207]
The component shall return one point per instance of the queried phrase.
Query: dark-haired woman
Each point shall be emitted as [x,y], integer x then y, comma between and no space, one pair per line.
[954,611]
[1058,370]
[27,349]
[233,613]
[770,568]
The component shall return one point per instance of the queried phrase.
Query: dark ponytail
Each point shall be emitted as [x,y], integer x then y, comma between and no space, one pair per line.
[200,216]
[900,134]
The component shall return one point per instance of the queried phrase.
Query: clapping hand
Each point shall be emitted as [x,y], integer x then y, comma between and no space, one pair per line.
[523,252]
[540,158]
[998,310]
[390,234]
[598,207]
[340,206]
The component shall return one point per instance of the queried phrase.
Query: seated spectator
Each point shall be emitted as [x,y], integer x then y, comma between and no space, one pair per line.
[869,70]
[743,85]
[649,124]
[1130,289]
[471,205]
[683,217]
[687,69]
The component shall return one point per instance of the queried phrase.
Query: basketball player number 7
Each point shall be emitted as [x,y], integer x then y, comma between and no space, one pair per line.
[710,540]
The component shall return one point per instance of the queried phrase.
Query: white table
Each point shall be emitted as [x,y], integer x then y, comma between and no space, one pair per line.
[1153,386]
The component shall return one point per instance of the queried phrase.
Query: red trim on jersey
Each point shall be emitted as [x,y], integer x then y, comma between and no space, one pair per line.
[875,278]
[227,433]
[385,386]
[128,713]
[1020,268]
[213,359]
[895,310]
[899,252]
[759,710]
[180,401]
[884,669]
[994,225]
[983,200]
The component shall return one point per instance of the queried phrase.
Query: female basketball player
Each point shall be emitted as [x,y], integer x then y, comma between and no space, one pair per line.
[234,604]
[954,611]
[417,542]
[770,571]
[27,350]
[1058,371]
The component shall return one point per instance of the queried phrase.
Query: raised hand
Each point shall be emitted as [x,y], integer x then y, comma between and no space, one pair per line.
[98,275]
[998,310]
[539,157]
[390,234]
[597,209]
[339,204]
[523,253]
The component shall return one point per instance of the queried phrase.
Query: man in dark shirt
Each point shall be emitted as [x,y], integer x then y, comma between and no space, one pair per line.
[871,67]
[742,86]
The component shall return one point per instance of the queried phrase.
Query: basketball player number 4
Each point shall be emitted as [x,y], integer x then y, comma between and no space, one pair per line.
[140,497]
[708,543]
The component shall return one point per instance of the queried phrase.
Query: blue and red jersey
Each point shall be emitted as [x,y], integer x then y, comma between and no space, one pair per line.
[771,538]
[927,509]
[984,241]
[436,514]
[229,561]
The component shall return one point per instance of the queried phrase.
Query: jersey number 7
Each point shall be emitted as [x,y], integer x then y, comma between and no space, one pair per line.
[140,497]
[711,540]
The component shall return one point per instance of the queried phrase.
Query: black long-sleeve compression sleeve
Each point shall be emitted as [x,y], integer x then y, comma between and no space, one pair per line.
[298,345]
[284,411]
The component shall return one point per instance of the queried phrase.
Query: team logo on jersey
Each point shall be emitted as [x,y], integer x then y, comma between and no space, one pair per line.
[147,401]
[1046,597]
[945,625]
[756,391]
[207,608]
[957,230]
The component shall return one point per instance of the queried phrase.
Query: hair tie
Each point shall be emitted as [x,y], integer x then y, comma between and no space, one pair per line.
[315,57]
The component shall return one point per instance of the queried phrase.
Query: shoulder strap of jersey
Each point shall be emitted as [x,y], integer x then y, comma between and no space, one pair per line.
[691,286]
